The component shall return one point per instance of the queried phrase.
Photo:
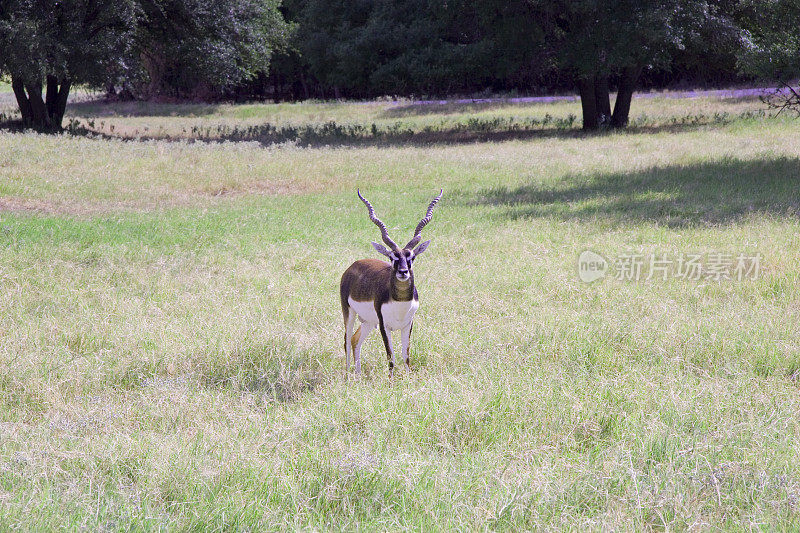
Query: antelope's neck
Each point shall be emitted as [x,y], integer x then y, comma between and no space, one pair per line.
[402,291]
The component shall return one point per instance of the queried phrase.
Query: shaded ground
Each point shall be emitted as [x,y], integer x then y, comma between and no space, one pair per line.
[712,193]
[413,107]
[471,130]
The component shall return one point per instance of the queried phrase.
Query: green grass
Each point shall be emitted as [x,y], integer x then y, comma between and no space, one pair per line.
[170,331]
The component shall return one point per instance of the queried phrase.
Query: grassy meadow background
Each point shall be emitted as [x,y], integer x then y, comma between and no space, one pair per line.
[170,328]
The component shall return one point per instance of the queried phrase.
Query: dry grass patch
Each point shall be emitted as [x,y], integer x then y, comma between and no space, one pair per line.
[77,176]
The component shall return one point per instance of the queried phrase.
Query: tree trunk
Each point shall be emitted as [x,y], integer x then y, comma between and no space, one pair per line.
[51,95]
[23,101]
[622,107]
[39,114]
[40,118]
[154,63]
[602,98]
[588,104]
[60,106]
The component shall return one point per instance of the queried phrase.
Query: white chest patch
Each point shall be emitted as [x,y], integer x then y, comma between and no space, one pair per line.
[396,315]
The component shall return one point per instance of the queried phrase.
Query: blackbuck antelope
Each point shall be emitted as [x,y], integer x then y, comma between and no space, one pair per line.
[382,294]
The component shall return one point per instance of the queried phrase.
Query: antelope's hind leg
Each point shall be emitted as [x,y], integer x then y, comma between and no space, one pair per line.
[358,339]
[349,319]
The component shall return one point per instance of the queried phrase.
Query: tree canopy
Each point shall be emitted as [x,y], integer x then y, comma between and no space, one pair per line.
[194,48]
[771,38]
[771,48]
[57,43]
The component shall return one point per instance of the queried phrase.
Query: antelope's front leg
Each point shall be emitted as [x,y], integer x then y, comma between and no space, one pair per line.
[387,342]
[405,337]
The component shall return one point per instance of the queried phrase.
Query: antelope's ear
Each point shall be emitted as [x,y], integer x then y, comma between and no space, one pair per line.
[382,249]
[421,248]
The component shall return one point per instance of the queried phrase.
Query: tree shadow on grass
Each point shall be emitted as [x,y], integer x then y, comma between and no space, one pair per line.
[102,108]
[479,129]
[699,194]
[455,108]
[11,125]
[360,135]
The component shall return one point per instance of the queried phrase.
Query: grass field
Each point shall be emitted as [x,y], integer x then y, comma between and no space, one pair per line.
[170,330]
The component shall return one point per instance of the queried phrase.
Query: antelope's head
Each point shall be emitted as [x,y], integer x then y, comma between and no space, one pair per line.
[402,258]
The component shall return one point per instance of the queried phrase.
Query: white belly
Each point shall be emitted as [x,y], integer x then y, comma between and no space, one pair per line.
[365,310]
[396,315]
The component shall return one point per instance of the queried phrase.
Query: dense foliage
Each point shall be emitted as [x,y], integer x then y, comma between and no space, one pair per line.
[772,33]
[193,48]
[772,47]
[437,47]
[364,48]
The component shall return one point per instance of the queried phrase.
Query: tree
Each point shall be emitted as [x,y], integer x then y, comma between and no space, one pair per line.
[600,41]
[367,48]
[54,44]
[201,49]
